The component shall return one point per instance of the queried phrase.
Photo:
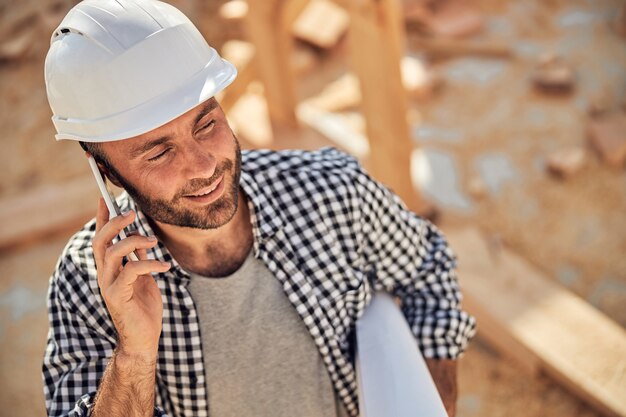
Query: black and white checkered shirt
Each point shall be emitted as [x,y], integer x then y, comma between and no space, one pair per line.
[328,232]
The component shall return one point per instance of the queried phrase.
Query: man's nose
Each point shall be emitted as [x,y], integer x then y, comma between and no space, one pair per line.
[198,162]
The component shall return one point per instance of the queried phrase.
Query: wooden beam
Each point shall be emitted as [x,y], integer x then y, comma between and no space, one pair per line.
[241,55]
[524,314]
[46,211]
[265,23]
[374,50]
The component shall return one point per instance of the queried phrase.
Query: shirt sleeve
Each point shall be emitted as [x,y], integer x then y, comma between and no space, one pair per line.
[76,353]
[409,257]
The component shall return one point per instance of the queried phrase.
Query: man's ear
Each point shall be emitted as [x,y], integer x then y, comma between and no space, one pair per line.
[107,173]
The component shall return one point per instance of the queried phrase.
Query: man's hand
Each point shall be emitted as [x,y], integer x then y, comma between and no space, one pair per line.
[443,372]
[130,293]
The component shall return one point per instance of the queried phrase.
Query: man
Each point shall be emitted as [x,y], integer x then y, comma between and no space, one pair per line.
[253,266]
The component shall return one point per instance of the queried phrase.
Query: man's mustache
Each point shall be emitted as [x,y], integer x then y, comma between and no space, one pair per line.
[196,184]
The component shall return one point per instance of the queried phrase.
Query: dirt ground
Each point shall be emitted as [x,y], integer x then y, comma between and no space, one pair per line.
[486,122]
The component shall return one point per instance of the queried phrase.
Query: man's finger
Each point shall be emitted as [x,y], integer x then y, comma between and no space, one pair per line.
[102,217]
[132,271]
[142,254]
[114,255]
[110,230]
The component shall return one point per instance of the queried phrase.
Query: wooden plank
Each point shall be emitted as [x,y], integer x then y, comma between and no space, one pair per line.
[46,211]
[233,11]
[525,314]
[339,95]
[375,60]
[321,23]
[265,23]
[334,127]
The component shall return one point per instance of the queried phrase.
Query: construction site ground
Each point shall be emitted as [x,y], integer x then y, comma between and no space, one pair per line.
[486,124]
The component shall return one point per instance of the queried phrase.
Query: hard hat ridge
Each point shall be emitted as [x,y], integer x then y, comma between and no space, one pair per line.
[120,68]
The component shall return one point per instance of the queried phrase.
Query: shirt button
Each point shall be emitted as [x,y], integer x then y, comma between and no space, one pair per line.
[194,380]
[184,311]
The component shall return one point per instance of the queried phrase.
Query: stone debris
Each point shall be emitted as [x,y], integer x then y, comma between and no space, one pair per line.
[620,21]
[553,75]
[566,162]
[322,23]
[23,28]
[477,188]
[600,103]
[18,47]
[607,135]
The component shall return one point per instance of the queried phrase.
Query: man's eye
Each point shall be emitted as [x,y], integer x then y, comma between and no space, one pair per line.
[210,124]
[157,157]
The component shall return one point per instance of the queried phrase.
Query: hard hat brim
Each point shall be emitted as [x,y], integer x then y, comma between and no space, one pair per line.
[152,114]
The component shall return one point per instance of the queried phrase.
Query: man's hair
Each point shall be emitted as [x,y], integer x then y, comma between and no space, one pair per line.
[93,148]
[98,154]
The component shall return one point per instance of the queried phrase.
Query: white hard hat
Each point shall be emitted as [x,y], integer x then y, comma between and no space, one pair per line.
[120,68]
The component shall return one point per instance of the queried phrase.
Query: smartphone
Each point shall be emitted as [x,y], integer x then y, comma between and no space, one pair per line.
[114,209]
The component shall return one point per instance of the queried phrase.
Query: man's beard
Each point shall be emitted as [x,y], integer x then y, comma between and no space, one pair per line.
[215,215]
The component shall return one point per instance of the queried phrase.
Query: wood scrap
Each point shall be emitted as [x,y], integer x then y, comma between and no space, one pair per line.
[249,117]
[523,314]
[566,162]
[321,23]
[443,48]
[607,135]
[553,75]
[420,81]
[46,211]
[449,18]
[234,11]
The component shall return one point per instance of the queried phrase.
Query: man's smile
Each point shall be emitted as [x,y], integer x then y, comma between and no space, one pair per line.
[208,194]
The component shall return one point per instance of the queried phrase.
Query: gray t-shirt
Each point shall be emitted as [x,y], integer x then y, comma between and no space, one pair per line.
[260,359]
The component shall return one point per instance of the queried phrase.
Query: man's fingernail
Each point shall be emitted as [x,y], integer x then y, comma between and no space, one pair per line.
[126,213]
[151,238]
[167,264]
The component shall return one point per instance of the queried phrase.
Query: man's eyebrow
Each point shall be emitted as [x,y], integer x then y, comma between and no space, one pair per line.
[210,106]
[140,150]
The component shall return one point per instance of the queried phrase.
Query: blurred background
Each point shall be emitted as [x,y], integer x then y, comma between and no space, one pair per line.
[510,134]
